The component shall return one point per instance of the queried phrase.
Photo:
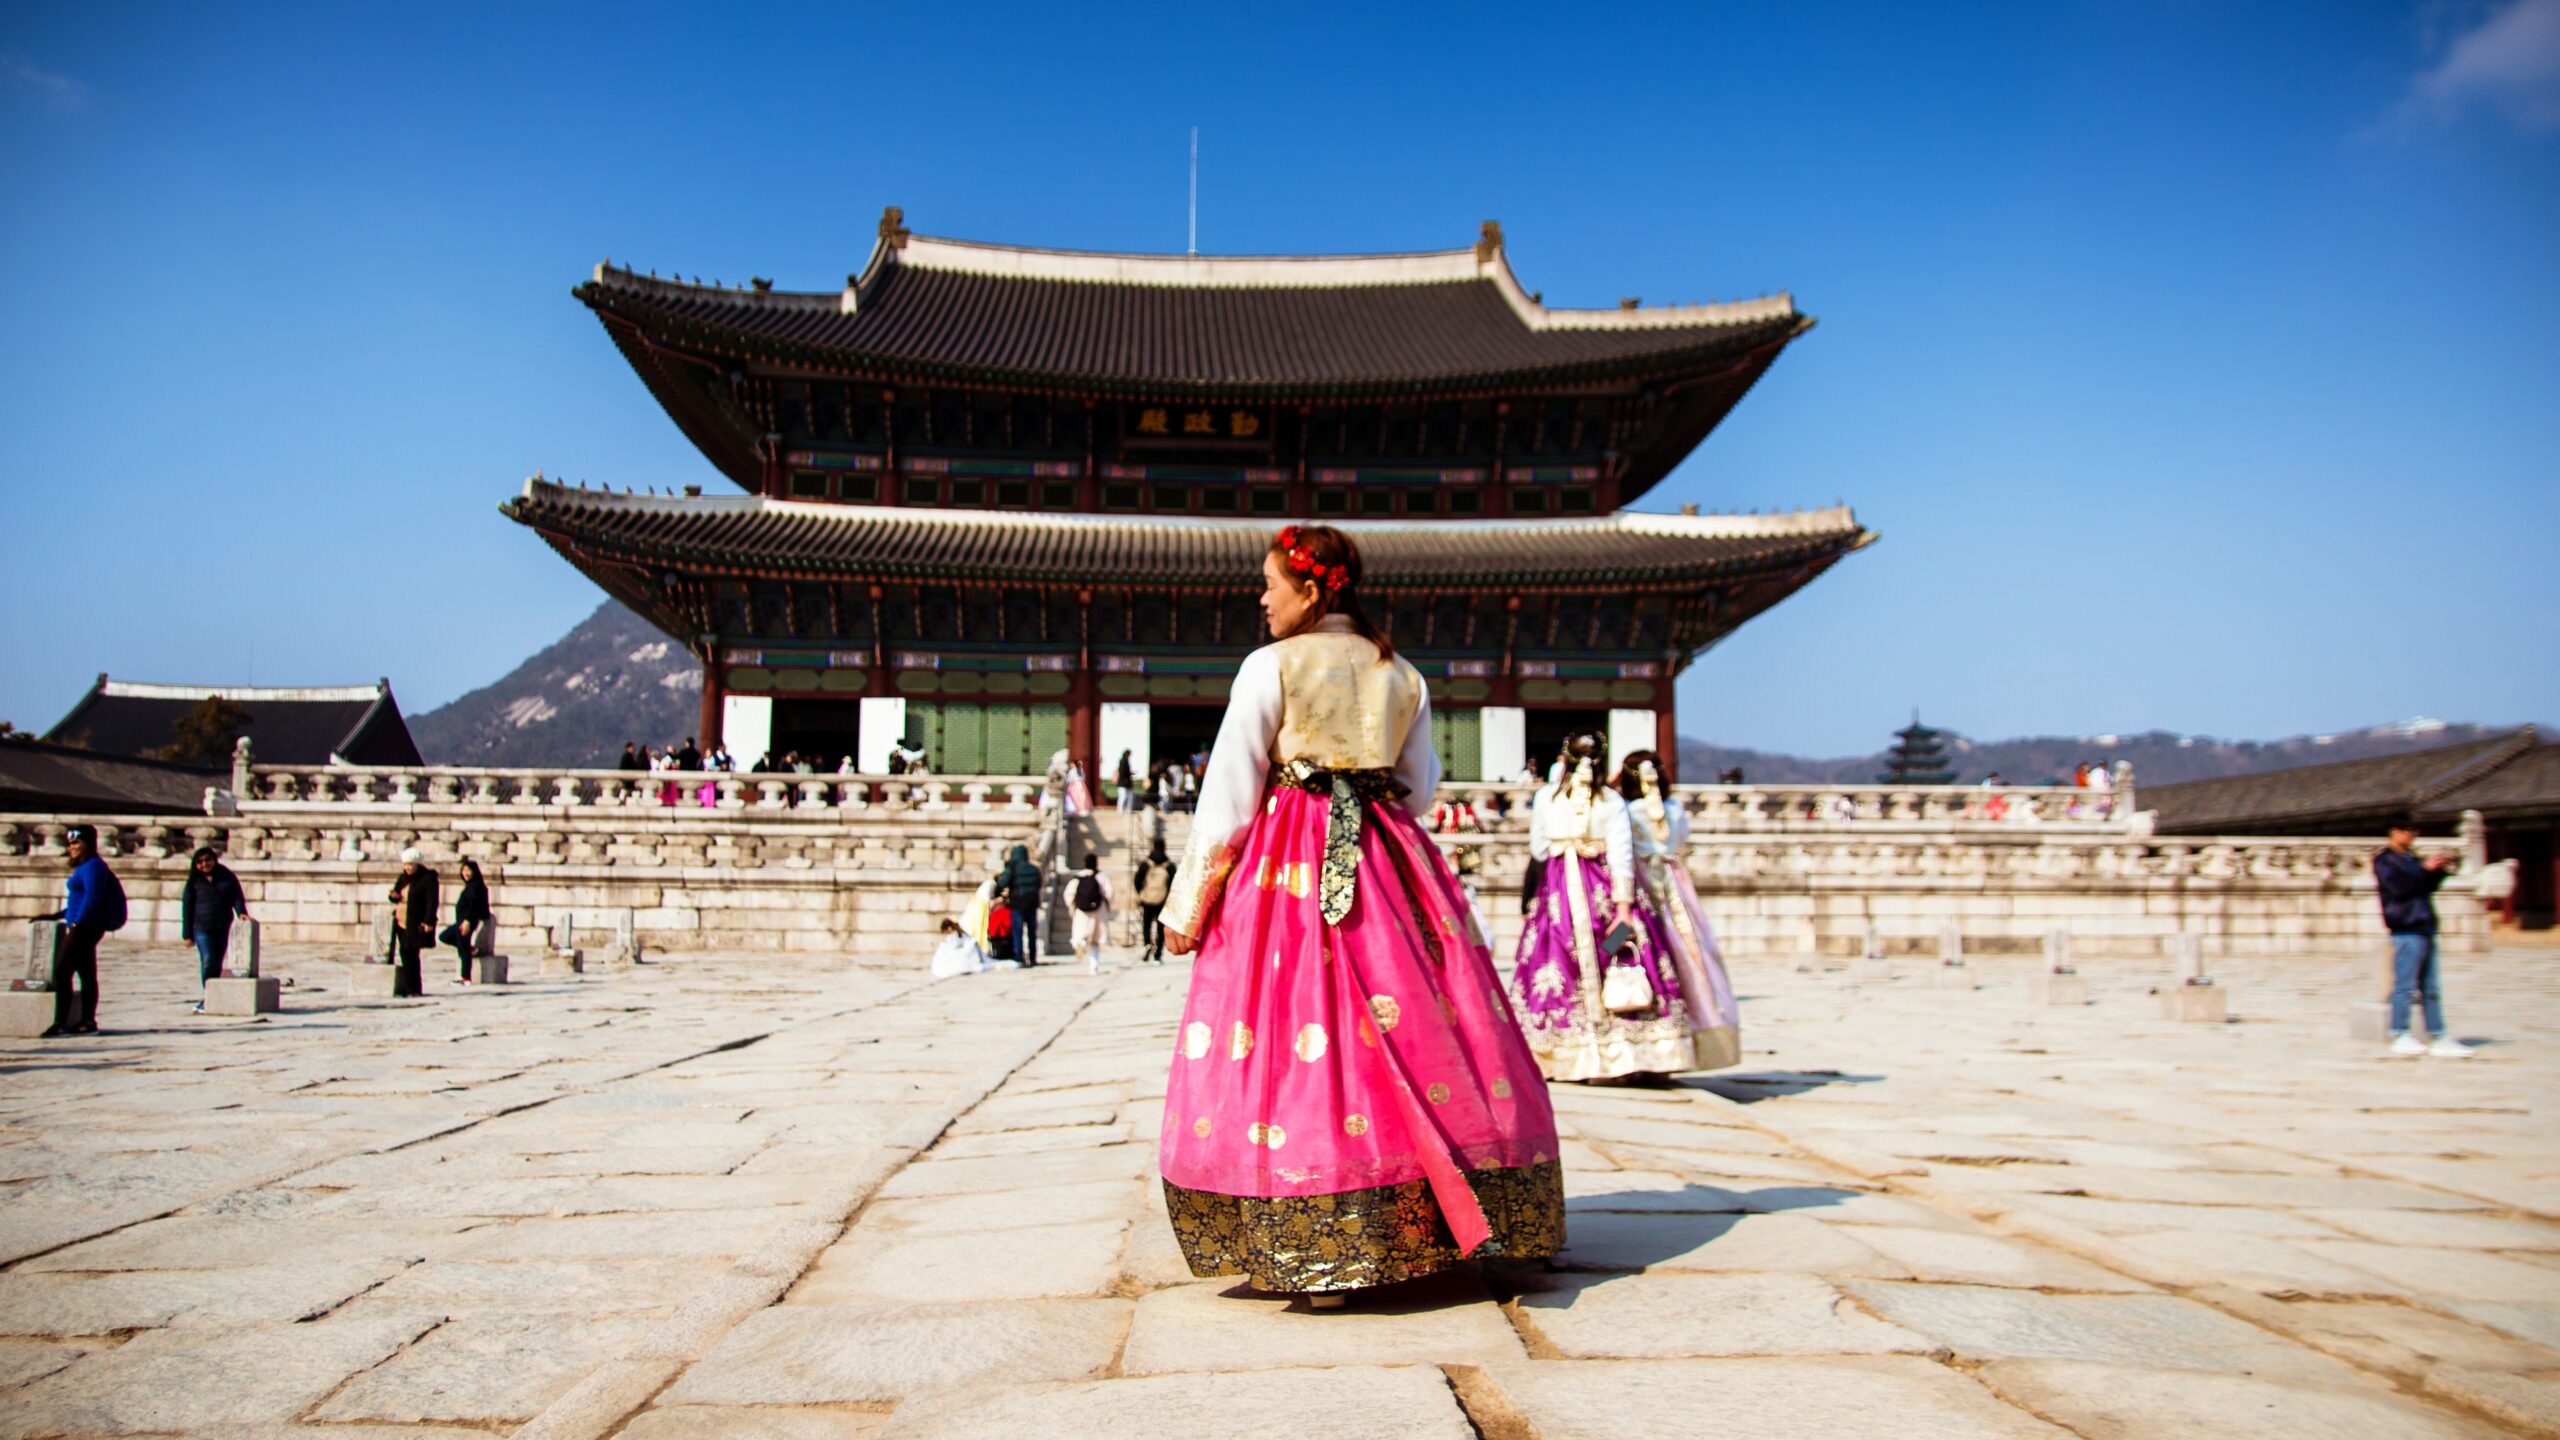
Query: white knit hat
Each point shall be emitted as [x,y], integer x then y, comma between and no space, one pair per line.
[412,855]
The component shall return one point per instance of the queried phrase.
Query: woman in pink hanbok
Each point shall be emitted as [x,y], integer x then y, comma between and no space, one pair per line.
[1660,831]
[1351,1101]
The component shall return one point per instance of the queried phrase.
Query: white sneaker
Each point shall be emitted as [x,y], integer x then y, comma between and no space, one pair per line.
[2408,1044]
[2448,1048]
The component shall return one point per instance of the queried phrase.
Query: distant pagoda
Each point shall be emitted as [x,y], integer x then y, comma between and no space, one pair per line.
[1918,757]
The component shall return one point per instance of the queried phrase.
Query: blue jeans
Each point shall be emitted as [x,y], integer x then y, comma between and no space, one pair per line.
[2413,977]
[211,946]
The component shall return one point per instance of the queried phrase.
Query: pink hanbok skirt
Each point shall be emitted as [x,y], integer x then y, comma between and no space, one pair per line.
[1352,1104]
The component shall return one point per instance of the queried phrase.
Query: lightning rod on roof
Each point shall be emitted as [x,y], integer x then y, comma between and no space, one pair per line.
[1193,248]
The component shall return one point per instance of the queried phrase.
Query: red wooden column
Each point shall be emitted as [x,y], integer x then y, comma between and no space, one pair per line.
[713,692]
[1084,721]
[1666,738]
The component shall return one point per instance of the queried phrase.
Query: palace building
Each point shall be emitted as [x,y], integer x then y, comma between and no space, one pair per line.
[1003,501]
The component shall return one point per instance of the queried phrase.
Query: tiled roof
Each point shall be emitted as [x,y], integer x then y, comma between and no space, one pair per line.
[41,777]
[1180,324]
[2527,784]
[766,536]
[2350,792]
[287,726]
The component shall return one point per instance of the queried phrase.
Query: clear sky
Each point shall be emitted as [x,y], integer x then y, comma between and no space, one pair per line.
[2198,362]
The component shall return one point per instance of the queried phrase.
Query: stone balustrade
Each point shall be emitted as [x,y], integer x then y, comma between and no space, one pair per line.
[878,878]
[805,799]
[301,789]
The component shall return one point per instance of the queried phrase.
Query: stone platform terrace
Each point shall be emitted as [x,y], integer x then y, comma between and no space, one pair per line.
[841,1200]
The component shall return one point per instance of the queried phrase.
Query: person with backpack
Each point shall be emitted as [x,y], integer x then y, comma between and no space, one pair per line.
[1154,886]
[92,907]
[1020,882]
[1092,899]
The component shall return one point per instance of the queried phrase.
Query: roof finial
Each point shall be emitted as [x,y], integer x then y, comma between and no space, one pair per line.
[1488,240]
[893,227]
[1630,302]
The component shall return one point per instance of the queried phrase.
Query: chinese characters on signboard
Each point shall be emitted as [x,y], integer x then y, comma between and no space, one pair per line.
[1179,422]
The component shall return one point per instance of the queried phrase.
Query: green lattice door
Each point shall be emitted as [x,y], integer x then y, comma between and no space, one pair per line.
[1459,737]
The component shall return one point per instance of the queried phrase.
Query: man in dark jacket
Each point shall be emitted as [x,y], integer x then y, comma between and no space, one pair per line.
[2407,886]
[206,908]
[1019,882]
[631,758]
[92,905]
[413,920]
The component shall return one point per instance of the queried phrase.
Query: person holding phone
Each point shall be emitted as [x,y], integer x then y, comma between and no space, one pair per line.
[1595,985]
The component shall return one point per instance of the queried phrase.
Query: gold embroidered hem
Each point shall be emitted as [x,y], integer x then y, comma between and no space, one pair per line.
[1617,1046]
[1359,1238]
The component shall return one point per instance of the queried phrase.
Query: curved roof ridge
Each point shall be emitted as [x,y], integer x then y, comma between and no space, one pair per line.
[1836,519]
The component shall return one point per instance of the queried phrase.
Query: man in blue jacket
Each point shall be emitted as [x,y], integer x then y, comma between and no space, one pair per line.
[2407,886]
[92,905]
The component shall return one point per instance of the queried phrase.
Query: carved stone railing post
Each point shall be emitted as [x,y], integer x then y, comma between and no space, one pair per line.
[975,795]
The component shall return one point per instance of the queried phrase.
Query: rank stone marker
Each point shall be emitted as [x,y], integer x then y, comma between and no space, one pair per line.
[2195,998]
[240,989]
[1951,972]
[2057,983]
[26,1007]
[1871,962]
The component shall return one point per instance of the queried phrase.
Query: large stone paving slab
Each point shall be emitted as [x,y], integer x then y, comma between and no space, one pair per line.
[2157,1332]
[2108,1402]
[484,1367]
[186,1380]
[1769,1399]
[1350,1403]
[823,1354]
[1444,1319]
[1014,1264]
[1666,1315]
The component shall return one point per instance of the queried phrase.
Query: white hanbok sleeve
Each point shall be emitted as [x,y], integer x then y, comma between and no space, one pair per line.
[1239,766]
[1538,824]
[1676,818]
[1619,831]
[1417,766]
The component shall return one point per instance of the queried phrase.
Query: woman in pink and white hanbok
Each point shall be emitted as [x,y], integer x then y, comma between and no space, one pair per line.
[1351,1102]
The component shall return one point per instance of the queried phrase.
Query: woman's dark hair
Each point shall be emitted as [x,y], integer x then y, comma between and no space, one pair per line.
[1631,773]
[206,852]
[1317,555]
[471,868]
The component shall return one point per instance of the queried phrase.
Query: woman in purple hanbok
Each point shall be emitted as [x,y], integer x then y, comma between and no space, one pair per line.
[1661,834]
[1594,1011]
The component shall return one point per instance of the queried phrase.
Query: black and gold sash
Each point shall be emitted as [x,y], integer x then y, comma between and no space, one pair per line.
[1345,791]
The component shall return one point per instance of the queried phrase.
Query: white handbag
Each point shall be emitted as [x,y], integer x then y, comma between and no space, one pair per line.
[1624,989]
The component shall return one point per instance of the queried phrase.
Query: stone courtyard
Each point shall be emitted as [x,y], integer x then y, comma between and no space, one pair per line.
[799,1198]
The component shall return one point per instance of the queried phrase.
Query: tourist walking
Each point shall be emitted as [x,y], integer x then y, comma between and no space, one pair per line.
[2407,886]
[1020,882]
[1092,920]
[92,908]
[470,916]
[413,920]
[1594,981]
[207,904]
[1154,884]
[1351,1102]
[1124,786]
[631,758]
[1660,829]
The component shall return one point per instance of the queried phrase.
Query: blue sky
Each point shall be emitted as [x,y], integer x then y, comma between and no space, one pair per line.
[2199,363]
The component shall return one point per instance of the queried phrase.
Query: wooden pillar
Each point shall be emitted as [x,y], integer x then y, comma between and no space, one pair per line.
[1084,721]
[712,694]
[1666,738]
